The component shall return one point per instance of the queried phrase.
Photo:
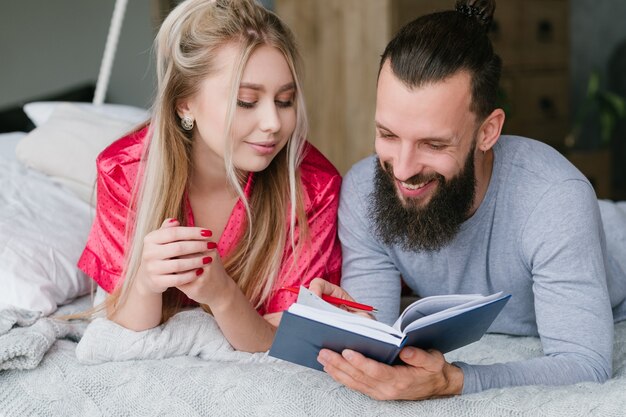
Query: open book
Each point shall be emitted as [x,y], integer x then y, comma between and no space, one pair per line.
[442,322]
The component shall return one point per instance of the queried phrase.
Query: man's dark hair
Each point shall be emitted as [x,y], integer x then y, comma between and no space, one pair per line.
[437,46]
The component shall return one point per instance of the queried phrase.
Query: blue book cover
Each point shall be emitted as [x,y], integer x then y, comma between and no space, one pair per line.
[444,323]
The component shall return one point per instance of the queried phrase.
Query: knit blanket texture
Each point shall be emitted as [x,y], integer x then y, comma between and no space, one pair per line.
[187,368]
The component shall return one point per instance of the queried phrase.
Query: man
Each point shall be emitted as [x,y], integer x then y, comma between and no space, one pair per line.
[449,206]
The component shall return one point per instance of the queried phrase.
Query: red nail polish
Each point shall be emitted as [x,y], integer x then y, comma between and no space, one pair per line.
[172,220]
[199,271]
[207,260]
[211,245]
[206,233]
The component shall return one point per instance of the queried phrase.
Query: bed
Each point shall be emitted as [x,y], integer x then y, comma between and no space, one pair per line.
[53,367]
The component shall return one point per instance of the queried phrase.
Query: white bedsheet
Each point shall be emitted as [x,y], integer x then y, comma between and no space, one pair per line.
[8,142]
[43,230]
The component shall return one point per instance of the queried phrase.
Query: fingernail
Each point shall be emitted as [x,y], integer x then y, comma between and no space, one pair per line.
[348,354]
[205,261]
[408,353]
[199,271]
[322,356]
[211,245]
[172,220]
[206,233]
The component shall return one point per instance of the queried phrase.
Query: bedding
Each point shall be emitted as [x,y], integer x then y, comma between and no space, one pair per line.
[39,112]
[43,229]
[65,144]
[8,142]
[52,367]
[186,368]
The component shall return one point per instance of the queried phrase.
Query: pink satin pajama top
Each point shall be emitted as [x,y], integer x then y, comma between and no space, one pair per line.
[103,256]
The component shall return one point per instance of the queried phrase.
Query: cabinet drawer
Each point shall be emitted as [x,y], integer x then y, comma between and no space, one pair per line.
[544,34]
[505,33]
[551,132]
[541,97]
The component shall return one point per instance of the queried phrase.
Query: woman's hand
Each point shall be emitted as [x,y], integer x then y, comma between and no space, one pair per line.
[319,287]
[212,285]
[173,256]
[273,318]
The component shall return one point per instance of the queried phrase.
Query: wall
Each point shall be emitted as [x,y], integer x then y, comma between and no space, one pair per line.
[48,46]
[596,28]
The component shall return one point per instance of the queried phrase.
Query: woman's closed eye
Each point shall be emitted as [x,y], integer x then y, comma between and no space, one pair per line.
[283,104]
[246,104]
[250,104]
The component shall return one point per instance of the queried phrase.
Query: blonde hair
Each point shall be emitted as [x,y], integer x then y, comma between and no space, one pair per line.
[186,46]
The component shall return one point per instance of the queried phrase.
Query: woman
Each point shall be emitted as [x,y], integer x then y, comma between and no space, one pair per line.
[231,203]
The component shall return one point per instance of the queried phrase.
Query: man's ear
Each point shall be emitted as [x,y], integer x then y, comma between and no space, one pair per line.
[490,130]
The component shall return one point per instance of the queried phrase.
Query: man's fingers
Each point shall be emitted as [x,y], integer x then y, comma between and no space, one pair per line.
[429,360]
[343,371]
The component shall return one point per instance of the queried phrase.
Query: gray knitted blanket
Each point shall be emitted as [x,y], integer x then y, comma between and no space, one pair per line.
[186,368]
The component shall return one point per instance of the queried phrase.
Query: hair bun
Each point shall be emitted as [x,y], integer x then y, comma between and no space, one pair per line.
[481,10]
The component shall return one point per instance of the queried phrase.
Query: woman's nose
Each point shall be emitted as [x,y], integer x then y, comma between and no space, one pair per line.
[270,119]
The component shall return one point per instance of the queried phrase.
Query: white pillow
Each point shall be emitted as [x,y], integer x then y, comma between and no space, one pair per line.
[43,230]
[67,144]
[40,111]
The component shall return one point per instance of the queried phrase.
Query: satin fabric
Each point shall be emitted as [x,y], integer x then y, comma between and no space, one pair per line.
[118,166]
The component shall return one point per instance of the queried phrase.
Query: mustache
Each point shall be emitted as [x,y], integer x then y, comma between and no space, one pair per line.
[415,179]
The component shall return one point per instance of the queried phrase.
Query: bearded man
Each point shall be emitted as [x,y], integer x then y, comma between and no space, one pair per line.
[448,205]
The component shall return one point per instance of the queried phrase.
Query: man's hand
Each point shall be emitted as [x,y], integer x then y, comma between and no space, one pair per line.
[425,374]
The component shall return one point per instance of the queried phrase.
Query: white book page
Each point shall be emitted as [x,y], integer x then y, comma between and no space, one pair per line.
[431,305]
[313,307]
[350,322]
[451,311]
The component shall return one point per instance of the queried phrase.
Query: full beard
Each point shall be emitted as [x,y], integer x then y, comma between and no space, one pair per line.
[418,228]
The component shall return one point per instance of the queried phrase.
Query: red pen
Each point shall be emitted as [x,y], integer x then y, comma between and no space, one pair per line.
[336,301]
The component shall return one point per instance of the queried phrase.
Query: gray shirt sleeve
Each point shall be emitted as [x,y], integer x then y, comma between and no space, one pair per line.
[563,244]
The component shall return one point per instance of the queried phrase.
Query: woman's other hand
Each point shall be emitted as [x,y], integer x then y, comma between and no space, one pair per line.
[173,256]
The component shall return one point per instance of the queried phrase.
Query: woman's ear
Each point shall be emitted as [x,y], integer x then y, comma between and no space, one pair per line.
[182,108]
[490,130]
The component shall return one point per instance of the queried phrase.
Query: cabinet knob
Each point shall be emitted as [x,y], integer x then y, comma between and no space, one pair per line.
[545,30]
[547,106]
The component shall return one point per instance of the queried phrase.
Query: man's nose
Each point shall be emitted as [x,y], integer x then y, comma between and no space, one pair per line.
[409,162]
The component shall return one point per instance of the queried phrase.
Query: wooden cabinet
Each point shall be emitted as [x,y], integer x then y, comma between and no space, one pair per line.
[341,42]
[531,37]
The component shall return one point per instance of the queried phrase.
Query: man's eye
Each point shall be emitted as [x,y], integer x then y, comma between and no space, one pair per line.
[245,104]
[436,146]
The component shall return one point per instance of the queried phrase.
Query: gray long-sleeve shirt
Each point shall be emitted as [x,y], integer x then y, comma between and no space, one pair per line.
[537,235]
